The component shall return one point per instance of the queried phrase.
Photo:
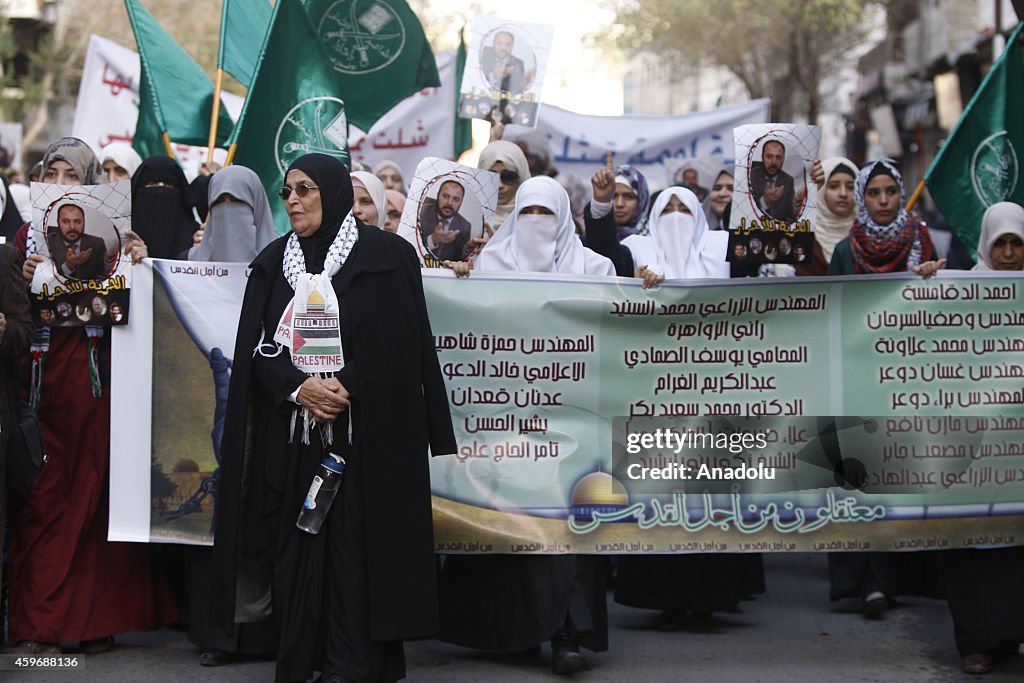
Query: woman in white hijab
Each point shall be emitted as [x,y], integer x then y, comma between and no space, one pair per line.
[119,161]
[514,603]
[540,236]
[1001,243]
[239,223]
[982,586]
[679,244]
[508,161]
[371,203]
[391,175]
[837,211]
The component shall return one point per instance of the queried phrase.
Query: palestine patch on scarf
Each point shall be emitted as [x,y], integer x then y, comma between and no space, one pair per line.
[310,327]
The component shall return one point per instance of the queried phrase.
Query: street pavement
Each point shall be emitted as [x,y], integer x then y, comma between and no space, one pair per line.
[792,633]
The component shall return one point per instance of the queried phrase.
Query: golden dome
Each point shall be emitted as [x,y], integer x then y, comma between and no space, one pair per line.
[315,298]
[599,488]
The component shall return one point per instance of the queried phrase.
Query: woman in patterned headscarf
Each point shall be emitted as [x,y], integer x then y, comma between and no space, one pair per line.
[884,238]
[71,583]
[618,210]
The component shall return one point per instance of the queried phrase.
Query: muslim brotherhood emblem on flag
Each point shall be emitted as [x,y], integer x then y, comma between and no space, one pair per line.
[316,336]
[994,169]
[317,124]
[361,36]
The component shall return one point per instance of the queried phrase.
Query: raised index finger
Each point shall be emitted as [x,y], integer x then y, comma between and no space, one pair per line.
[610,160]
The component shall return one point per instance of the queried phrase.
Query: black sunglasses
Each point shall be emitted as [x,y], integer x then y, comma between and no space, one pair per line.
[509,176]
[301,190]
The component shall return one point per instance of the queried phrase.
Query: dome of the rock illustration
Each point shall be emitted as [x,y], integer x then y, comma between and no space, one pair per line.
[598,492]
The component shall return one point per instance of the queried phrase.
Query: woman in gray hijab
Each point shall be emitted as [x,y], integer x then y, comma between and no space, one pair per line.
[238,227]
[239,224]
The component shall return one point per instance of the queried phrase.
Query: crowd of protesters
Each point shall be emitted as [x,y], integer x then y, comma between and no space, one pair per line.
[343,601]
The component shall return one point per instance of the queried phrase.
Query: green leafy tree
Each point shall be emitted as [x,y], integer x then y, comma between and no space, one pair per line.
[780,49]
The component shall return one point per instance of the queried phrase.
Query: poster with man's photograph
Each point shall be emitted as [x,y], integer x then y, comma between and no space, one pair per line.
[504,72]
[449,207]
[695,174]
[774,200]
[80,230]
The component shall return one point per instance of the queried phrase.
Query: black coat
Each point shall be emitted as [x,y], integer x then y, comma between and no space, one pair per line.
[14,343]
[603,237]
[399,406]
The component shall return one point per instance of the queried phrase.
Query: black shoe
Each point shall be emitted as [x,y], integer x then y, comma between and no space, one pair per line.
[566,658]
[875,609]
[215,657]
[334,678]
[671,620]
[96,646]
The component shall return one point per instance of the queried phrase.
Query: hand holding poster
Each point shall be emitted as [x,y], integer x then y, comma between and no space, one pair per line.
[774,203]
[504,71]
[448,209]
[80,230]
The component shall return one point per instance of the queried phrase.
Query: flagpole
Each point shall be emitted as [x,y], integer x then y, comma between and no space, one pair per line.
[231,153]
[215,115]
[167,145]
[918,191]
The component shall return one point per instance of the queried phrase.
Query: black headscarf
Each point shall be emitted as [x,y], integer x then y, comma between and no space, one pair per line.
[336,199]
[162,216]
[11,220]
[200,189]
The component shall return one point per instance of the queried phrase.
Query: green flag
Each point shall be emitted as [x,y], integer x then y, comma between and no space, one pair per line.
[243,24]
[293,105]
[175,96]
[378,50]
[463,127]
[980,163]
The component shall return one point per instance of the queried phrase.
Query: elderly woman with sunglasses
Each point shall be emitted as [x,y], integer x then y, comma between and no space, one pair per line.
[508,161]
[359,380]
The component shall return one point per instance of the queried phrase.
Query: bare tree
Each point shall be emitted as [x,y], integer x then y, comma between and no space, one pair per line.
[55,68]
[779,49]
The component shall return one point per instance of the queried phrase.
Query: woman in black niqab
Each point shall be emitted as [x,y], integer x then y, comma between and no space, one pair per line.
[10,221]
[200,190]
[162,208]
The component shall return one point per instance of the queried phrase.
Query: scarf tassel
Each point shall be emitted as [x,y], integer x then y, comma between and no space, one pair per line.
[326,428]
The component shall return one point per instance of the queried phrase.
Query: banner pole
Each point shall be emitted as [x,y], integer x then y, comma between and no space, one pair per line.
[914,197]
[231,153]
[215,115]
[167,146]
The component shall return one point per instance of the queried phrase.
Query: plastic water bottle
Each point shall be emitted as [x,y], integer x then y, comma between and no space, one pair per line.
[322,492]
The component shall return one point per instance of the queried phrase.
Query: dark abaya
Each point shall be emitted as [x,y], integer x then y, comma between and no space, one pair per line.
[511,603]
[986,598]
[345,598]
[10,221]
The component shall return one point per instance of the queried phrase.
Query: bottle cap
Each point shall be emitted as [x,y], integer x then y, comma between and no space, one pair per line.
[334,462]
